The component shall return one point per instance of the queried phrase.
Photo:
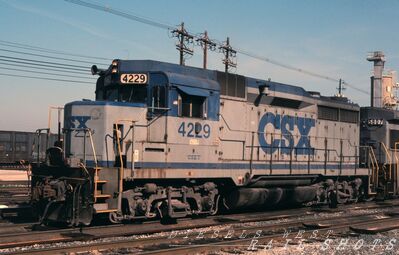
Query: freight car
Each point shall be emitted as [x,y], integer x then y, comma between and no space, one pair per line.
[168,141]
[16,146]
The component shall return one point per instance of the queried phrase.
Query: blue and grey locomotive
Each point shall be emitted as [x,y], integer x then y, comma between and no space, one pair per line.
[169,141]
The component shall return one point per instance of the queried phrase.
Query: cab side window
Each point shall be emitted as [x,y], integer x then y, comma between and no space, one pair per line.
[158,99]
[192,106]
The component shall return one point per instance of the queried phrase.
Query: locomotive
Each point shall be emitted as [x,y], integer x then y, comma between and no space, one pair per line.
[166,141]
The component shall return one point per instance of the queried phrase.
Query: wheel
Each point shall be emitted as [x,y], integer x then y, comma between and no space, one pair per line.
[332,199]
[113,218]
[344,200]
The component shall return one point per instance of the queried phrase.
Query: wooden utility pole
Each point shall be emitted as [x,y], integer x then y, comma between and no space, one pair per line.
[184,39]
[229,53]
[206,45]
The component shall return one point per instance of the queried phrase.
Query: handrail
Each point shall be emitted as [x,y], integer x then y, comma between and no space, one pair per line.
[280,134]
[396,165]
[86,130]
[375,164]
[59,109]
[389,159]
[38,135]
[133,122]
[93,148]
[121,169]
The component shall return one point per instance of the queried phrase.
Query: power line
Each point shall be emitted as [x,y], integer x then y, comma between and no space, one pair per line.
[43,65]
[277,63]
[44,78]
[274,62]
[41,49]
[47,56]
[151,22]
[41,68]
[134,17]
[44,62]
[356,88]
[38,72]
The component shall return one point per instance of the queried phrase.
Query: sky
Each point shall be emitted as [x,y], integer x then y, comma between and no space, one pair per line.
[330,38]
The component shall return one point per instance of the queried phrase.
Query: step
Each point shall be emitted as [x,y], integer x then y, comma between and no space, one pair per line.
[103,208]
[102,196]
[100,206]
[106,211]
[101,181]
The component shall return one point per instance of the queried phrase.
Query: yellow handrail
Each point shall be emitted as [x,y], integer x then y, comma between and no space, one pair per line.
[396,164]
[375,166]
[389,160]
[93,148]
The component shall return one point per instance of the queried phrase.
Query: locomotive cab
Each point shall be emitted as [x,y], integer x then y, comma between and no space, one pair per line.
[123,135]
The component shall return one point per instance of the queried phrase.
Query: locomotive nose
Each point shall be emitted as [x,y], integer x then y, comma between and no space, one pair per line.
[94,126]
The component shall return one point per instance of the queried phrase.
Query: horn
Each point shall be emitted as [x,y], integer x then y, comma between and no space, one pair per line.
[95,70]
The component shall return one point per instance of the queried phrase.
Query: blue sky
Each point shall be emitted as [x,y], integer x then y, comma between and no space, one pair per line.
[327,37]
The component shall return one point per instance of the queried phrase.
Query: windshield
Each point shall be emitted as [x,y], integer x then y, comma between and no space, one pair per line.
[132,94]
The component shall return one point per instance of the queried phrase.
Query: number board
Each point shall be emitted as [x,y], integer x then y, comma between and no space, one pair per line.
[134,78]
[375,122]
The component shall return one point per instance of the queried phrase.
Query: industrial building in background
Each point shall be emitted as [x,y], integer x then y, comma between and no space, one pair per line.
[383,85]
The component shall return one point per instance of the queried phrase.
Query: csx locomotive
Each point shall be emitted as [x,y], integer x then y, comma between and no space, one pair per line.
[169,141]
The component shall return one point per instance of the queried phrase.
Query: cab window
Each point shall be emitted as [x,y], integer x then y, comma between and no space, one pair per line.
[192,106]
[133,94]
[158,97]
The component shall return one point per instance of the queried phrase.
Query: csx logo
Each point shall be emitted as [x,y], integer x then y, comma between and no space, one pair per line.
[285,142]
[78,121]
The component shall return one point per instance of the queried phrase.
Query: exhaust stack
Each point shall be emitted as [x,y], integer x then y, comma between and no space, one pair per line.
[378,58]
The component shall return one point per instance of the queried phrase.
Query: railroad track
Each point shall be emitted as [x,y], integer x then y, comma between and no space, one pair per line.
[14,199]
[259,238]
[13,166]
[127,236]
[13,192]
[13,183]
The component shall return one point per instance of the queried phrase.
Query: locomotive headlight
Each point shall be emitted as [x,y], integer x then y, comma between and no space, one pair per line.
[114,70]
[115,62]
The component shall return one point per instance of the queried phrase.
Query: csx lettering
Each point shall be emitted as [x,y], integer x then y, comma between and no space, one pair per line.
[78,121]
[286,124]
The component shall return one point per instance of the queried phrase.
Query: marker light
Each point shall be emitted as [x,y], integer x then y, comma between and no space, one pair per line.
[114,70]
[115,62]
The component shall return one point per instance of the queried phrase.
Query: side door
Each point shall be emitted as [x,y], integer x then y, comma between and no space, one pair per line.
[157,109]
